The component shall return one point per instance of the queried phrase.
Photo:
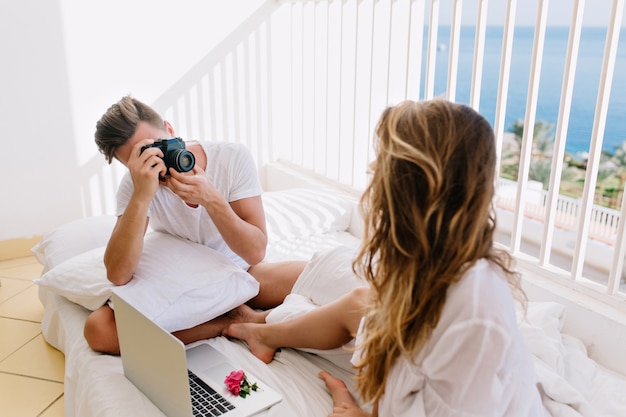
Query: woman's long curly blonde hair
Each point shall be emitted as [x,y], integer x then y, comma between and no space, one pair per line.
[428,218]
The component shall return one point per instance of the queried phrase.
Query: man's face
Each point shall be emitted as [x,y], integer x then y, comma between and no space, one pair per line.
[143,131]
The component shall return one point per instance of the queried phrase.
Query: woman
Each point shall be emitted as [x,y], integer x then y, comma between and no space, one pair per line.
[436,333]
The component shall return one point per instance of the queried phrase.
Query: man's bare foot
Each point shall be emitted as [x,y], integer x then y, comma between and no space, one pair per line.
[246,314]
[342,398]
[250,333]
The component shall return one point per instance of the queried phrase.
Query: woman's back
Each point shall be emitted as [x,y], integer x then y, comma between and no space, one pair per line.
[475,363]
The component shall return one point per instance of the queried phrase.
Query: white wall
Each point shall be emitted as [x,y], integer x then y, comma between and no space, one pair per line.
[63,63]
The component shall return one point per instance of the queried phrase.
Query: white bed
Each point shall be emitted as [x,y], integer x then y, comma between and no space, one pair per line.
[301,223]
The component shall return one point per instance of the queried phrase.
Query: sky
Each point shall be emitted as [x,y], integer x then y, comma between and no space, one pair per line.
[596,13]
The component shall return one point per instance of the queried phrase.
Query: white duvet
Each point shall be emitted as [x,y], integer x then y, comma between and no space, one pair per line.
[570,383]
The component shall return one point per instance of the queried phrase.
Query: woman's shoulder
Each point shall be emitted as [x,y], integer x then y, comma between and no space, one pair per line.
[483,293]
[485,278]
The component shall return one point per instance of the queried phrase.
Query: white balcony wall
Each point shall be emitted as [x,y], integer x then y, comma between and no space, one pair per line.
[63,63]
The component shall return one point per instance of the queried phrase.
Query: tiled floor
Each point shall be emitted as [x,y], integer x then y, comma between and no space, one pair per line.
[31,371]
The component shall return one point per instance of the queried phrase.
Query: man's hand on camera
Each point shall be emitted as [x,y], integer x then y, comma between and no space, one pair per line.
[146,167]
[193,187]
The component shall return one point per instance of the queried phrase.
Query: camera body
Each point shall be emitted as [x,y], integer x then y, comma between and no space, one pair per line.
[175,154]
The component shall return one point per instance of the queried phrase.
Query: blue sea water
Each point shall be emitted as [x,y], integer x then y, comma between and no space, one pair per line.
[587,78]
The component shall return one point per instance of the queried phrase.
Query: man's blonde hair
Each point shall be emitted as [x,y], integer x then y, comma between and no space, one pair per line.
[119,123]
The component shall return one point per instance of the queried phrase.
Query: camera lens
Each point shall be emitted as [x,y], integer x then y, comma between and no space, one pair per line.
[185,161]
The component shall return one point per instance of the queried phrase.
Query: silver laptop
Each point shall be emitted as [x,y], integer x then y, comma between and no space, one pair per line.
[158,364]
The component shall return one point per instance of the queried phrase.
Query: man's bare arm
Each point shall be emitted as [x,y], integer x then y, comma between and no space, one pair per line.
[126,243]
[241,223]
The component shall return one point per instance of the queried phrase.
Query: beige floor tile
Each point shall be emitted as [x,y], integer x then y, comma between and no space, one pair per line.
[36,359]
[27,260]
[27,271]
[15,334]
[11,287]
[27,397]
[31,371]
[56,410]
[23,306]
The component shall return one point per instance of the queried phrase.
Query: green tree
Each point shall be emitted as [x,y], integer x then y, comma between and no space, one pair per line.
[540,171]
[543,137]
[619,160]
[542,147]
[607,175]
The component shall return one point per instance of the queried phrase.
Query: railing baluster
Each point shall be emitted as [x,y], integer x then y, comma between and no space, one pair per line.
[591,177]
[617,263]
[561,130]
[479,54]
[431,51]
[503,82]
[455,39]
[416,39]
[529,123]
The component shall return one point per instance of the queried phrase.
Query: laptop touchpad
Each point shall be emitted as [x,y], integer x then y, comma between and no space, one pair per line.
[219,372]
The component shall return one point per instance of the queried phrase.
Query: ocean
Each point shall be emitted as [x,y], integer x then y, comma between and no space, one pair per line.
[586,81]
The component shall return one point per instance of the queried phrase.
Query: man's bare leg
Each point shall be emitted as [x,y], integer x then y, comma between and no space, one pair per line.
[101,332]
[327,327]
[215,327]
[276,280]
[245,314]
[206,330]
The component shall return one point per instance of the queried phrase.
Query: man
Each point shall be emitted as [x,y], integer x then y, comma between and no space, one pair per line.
[217,203]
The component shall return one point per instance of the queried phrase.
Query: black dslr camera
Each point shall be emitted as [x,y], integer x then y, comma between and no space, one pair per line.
[174,154]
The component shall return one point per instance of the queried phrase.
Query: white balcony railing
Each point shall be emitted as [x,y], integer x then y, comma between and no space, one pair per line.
[304,82]
[604,225]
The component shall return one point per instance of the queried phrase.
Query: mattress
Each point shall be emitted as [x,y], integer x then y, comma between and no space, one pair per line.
[301,224]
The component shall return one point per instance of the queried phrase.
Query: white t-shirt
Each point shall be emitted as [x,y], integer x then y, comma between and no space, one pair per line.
[232,171]
[475,364]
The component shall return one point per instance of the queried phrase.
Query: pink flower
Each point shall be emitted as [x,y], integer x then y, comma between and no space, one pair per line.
[233,381]
[238,384]
[234,389]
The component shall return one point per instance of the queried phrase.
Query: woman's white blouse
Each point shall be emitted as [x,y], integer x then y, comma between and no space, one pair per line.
[475,364]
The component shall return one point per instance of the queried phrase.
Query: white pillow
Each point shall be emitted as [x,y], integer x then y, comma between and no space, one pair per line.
[178,283]
[81,279]
[325,278]
[301,212]
[73,238]
[195,283]
[328,276]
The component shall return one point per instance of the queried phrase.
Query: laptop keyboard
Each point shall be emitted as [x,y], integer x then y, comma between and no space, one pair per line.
[204,400]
